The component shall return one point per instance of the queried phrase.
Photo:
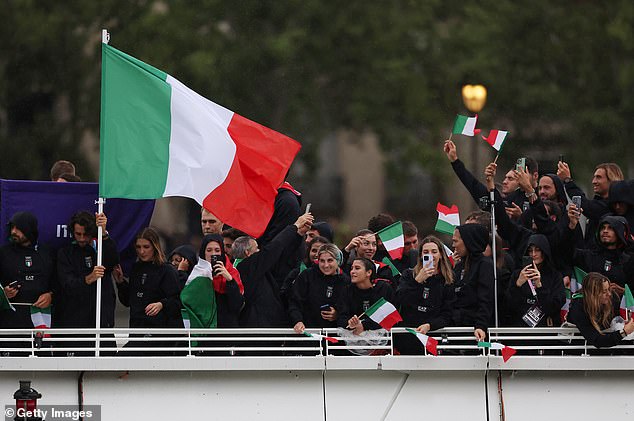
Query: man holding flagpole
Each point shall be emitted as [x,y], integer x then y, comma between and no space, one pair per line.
[26,272]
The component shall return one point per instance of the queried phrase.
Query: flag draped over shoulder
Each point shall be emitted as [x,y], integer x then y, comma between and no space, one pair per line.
[159,138]
[199,298]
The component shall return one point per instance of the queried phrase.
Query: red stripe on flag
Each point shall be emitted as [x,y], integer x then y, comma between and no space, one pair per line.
[396,253]
[432,345]
[508,352]
[444,209]
[390,320]
[263,156]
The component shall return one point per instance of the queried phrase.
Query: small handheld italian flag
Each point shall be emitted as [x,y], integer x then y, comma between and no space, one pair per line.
[576,280]
[507,351]
[465,125]
[384,313]
[449,253]
[4,301]
[496,139]
[627,303]
[393,239]
[320,337]
[428,342]
[448,218]
[41,318]
[563,313]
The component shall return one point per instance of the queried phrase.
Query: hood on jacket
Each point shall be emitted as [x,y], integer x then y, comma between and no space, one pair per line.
[559,188]
[475,237]
[540,241]
[187,252]
[208,239]
[619,225]
[622,191]
[324,229]
[25,222]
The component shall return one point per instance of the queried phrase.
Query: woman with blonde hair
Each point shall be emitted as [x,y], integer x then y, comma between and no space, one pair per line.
[593,309]
[425,296]
[313,297]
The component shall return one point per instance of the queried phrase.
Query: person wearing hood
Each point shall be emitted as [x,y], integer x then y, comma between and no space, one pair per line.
[536,292]
[621,199]
[609,258]
[474,282]
[183,258]
[226,281]
[313,299]
[309,261]
[26,272]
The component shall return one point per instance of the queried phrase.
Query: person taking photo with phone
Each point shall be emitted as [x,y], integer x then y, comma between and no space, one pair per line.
[425,296]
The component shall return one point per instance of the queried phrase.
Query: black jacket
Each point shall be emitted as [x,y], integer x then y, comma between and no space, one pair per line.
[580,318]
[33,267]
[151,283]
[187,252]
[550,297]
[474,284]
[75,301]
[429,302]
[263,305]
[623,191]
[311,290]
[354,301]
[593,209]
[616,264]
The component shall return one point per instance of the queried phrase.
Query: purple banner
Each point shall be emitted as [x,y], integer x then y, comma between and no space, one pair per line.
[54,203]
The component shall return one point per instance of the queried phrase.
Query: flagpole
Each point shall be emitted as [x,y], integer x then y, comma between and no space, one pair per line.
[493,252]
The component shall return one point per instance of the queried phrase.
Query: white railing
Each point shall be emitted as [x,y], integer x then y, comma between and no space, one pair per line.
[277,342]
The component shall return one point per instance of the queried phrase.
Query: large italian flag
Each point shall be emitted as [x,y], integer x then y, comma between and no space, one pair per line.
[198,298]
[448,218]
[159,138]
[393,239]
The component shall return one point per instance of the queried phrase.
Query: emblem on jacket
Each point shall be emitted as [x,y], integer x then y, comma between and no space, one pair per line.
[88,261]
[425,293]
[607,266]
[329,291]
[28,261]
[366,305]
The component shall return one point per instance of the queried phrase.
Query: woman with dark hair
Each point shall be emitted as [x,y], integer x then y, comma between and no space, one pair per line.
[593,309]
[226,281]
[474,282]
[309,261]
[313,299]
[425,296]
[183,258]
[360,295]
[536,292]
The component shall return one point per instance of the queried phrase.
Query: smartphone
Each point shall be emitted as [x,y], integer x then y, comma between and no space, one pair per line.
[215,259]
[561,158]
[576,200]
[526,260]
[15,284]
[325,307]
[308,207]
[428,261]
[520,165]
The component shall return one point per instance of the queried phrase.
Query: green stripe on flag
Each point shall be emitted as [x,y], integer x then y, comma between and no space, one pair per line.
[4,301]
[458,125]
[135,127]
[444,227]
[579,275]
[388,262]
[629,299]
[484,344]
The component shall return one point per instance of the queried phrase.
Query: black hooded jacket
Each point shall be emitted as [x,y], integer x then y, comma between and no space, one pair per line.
[550,297]
[263,305]
[615,264]
[311,290]
[75,301]
[474,284]
[229,304]
[32,267]
[623,191]
[188,253]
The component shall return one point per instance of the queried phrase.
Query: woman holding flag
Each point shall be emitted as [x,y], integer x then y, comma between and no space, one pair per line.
[593,309]
[425,296]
